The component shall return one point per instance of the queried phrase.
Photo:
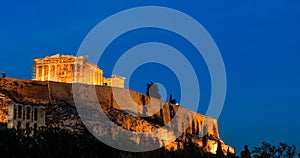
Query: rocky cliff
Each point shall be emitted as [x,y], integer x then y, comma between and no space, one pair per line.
[140,113]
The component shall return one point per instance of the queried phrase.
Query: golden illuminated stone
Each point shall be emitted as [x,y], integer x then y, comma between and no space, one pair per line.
[72,69]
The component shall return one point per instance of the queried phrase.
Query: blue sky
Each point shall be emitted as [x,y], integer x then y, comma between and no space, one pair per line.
[259,42]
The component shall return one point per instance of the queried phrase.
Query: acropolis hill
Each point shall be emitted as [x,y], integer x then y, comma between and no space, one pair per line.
[56,100]
[29,103]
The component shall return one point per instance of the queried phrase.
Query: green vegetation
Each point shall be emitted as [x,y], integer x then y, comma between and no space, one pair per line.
[53,142]
[267,150]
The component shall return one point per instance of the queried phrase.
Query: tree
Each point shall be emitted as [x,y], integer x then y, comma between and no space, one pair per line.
[270,151]
[219,150]
[56,142]
[152,90]
[245,153]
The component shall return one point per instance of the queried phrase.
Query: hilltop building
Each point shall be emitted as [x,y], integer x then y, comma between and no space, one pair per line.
[72,69]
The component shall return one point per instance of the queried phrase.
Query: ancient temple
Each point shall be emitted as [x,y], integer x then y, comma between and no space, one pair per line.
[72,69]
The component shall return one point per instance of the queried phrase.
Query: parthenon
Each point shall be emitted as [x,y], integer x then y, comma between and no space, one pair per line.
[72,69]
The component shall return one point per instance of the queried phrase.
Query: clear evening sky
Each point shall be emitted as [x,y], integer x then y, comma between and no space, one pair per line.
[259,41]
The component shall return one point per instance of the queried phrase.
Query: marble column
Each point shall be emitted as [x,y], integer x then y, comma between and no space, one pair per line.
[37,72]
[79,73]
[91,76]
[43,73]
[99,78]
[55,72]
[49,72]
[75,73]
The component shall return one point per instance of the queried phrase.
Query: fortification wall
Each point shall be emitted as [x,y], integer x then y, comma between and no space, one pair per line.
[60,111]
[51,93]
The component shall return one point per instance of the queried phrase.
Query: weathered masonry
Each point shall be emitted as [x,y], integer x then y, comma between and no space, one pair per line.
[25,116]
[71,69]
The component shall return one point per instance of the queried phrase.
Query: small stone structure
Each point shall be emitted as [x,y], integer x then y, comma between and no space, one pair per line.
[25,116]
[72,69]
[3,75]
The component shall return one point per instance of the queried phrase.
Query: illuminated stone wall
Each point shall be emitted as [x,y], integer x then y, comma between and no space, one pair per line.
[25,116]
[115,81]
[71,69]
[57,100]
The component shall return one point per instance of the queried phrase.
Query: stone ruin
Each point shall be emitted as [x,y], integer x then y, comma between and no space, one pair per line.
[72,69]
[25,116]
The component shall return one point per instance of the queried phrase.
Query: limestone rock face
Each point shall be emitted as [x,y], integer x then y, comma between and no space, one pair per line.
[4,101]
[127,109]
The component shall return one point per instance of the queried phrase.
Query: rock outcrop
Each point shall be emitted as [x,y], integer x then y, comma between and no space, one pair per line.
[126,108]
